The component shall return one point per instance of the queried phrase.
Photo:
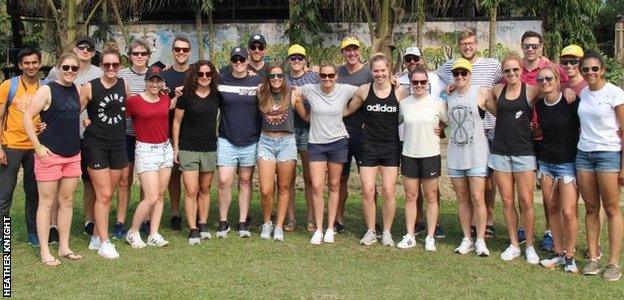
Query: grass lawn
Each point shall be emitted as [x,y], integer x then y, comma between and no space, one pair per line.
[254,268]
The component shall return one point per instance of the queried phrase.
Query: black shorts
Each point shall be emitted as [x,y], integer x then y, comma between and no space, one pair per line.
[99,158]
[83,162]
[425,167]
[379,155]
[130,147]
[355,142]
[335,152]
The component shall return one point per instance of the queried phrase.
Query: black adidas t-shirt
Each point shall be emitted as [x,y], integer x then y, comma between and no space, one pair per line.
[561,127]
[198,131]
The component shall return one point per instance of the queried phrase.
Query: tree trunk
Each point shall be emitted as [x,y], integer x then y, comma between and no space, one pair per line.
[492,35]
[420,23]
[104,20]
[71,34]
[124,30]
[211,37]
[199,32]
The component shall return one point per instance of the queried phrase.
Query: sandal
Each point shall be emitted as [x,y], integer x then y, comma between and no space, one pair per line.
[290,226]
[71,256]
[51,263]
[311,226]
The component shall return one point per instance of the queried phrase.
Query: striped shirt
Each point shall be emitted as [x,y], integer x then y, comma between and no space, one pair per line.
[486,72]
[136,84]
[308,77]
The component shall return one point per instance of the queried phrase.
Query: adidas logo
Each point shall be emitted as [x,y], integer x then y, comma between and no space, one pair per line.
[381,108]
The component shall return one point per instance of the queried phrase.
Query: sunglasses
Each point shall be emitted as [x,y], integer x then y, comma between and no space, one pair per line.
[570,61]
[296,57]
[509,71]
[276,75]
[593,69]
[66,68]
[419,82]
[330,75]
[204,74]
[531,46]
[140,53]
[256,47]
[181,49]
[85,47]
[411,58]
[108,66]
[463,73]
[238,59]
[548,79]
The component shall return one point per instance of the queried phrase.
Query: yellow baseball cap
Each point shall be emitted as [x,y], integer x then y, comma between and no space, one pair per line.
[462,63]
[296,49]
[349,40]
[572,50]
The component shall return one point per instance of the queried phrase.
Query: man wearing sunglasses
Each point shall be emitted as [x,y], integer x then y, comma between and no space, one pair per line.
[532,47]
[256,50]
[174,78]
[412,59]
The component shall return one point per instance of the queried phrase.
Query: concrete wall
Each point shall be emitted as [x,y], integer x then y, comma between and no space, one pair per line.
[161,35]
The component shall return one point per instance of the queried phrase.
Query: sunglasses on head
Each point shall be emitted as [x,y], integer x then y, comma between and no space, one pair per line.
[256,47]
[140,53]
[548,79]
[296,57]
[238,59]
[327,75]
[84,47]
[531,46]
[592,68]
[419,82]
[204,74]
[108,66]
[276,75]
[509,71]
[463,73]
[70,67]
[569,61]
[181,49]
[411,58]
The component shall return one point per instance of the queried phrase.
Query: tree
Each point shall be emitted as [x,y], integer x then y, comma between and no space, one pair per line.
[492,7]
[202,7]
[305,23]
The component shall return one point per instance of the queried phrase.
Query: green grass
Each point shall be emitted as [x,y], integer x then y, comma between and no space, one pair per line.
[254,268]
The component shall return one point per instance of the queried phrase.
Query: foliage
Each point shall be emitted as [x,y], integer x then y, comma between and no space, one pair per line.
[305,25]
[615,71]
[607,18]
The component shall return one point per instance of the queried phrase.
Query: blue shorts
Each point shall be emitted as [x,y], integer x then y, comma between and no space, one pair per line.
[335,152]
[512,163]
[355,144]
[279,149]
[302,135]
[565,171]
[229,155]
[598,161]
[472,172]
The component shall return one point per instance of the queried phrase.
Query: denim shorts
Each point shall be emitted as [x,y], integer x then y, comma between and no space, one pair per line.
[335,152]
[152,157]
[302,135]
[229,155]
[598,161]
[278,149]
[565,171]
[472,172]
[512,163]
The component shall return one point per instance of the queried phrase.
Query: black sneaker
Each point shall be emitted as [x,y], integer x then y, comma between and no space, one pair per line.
[473,231]
[439,232]
[89,227]
[420,228]
[54,235]
[490,231]
[339,227]
[175,223]
[204,232]
[145,228]
[120,231]
[243,230]
[194,237]
[222,229]
[248,222]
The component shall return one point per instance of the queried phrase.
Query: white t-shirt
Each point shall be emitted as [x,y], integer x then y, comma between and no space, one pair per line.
[326,110]
[420,117]
[599,124]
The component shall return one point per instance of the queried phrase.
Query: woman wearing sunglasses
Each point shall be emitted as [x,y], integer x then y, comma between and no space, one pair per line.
[57,159]
[298,75]
[277,149]
[570,61]
[599,162]
[195,144]
[559,124]
[105,143]
[327,147]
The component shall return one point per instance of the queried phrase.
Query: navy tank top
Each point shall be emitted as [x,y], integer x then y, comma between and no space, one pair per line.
[381,126]
[513,135]
[62,133]
[107,113]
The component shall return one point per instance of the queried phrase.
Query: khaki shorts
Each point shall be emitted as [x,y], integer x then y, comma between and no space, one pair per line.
[197,161]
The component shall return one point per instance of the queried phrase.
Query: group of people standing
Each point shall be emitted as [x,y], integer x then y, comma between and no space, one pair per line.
[505,121]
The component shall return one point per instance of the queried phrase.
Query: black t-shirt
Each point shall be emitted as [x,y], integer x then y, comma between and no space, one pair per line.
[240,121]
[261,73]
[198,131]
[362,76]
[173,79]
[560,125]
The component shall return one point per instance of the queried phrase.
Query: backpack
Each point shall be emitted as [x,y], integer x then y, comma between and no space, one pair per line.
[15,81]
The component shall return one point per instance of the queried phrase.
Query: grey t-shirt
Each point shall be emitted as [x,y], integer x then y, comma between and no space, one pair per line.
[326,110]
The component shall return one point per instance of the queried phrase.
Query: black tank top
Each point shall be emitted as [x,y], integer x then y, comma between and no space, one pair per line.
[381,119]
[512,134]
[62,133]
[107,114]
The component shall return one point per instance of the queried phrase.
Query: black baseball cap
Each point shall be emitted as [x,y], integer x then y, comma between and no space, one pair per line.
[154,71]
[85,39]
[259,38]
[239,51]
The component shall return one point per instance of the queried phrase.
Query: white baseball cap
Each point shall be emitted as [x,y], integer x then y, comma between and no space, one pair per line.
[412,51]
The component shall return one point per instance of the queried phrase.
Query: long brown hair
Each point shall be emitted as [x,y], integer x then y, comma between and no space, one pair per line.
[190,84]
[265,95]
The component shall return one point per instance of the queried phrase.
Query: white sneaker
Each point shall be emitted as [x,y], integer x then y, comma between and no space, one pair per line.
[278,234]
[317,237]
[386,239]
[134,239]
[267,229]
[94,243]
[510,253]
[553,262]
[531,255]
[407,242]
[108,251]
[156,240]
[329,236]
[370,237]
[481,248]
[430,244]
[465,247]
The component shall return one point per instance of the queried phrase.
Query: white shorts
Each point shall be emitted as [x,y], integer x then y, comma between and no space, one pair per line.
[152,157]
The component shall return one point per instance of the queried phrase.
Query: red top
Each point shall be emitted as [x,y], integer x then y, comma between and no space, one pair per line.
[150,120]
[530,77]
